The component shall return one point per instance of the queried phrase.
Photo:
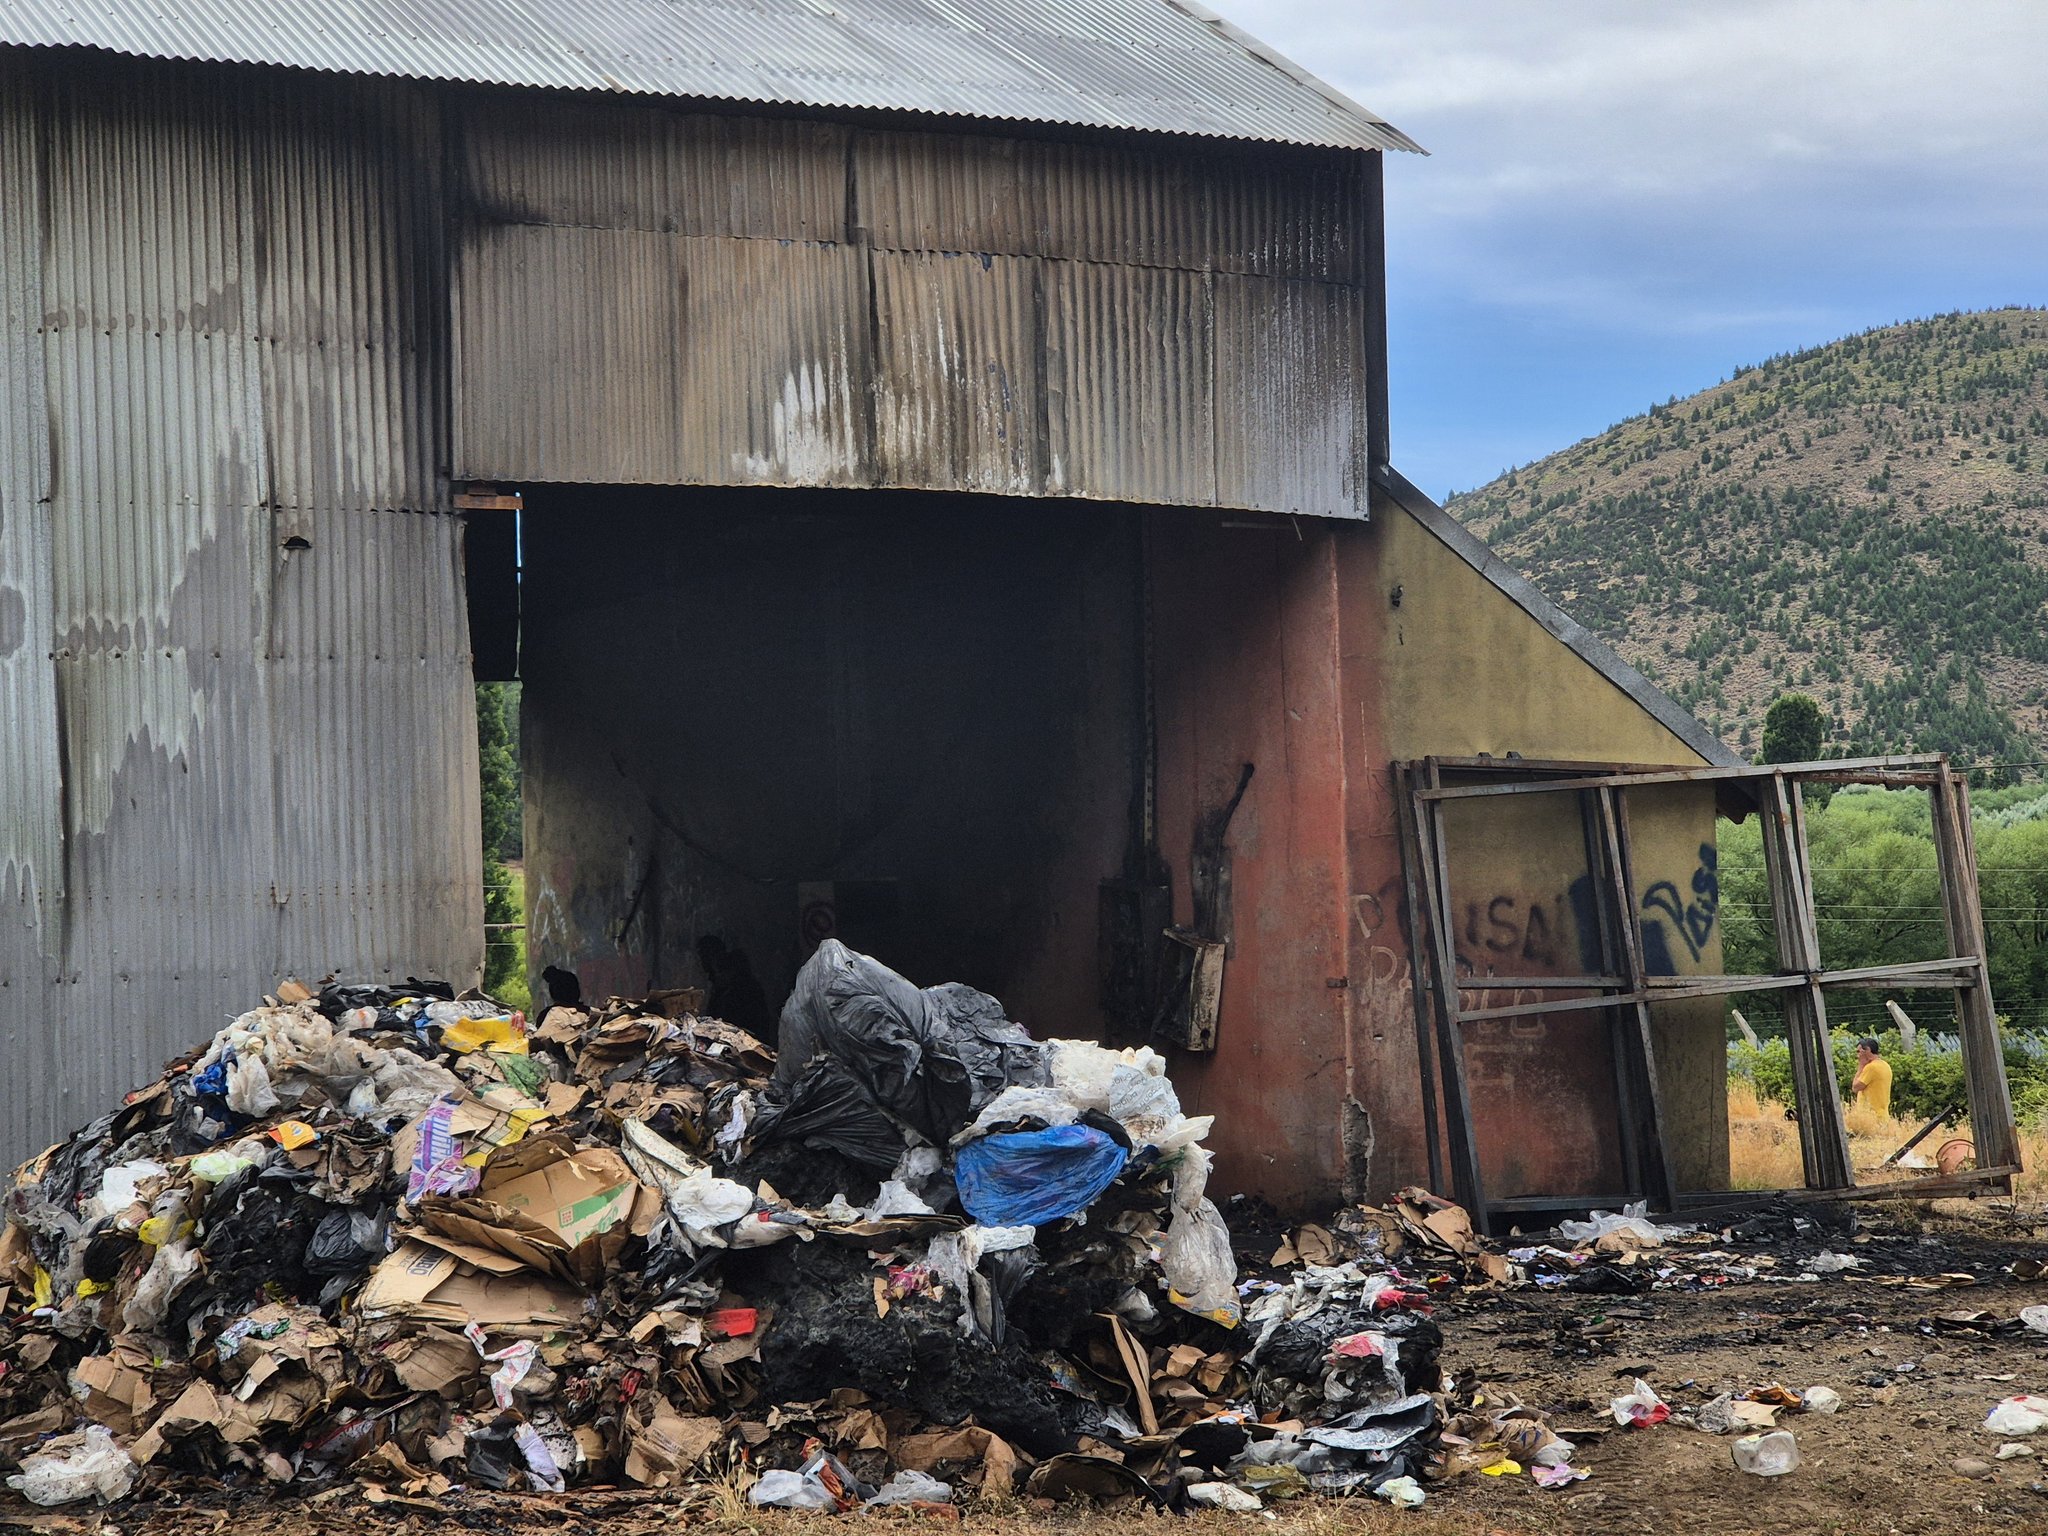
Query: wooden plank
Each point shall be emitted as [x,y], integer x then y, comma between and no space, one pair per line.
[1992,1128]
[1418,965]
[1658,1164]
[1907,772]
[1824,1140]
[1466,1174]
[1540,983]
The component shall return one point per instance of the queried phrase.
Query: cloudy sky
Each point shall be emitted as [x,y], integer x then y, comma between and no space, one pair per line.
[1624,201]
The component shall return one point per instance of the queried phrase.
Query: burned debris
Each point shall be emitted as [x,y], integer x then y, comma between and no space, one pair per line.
[401,1237]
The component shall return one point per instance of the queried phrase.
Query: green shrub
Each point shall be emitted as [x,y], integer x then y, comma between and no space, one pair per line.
[1923,1081]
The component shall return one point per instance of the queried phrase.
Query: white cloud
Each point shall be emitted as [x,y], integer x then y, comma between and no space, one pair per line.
[1629,198]
[1605,104]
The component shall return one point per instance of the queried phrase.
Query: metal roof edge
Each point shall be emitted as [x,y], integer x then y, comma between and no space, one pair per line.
[1589,647]
[1273,58]
[1304,111]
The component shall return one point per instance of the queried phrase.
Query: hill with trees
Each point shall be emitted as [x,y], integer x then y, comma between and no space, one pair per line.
[1865,522]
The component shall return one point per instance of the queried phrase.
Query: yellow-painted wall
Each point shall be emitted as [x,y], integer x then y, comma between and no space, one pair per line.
[1459,668]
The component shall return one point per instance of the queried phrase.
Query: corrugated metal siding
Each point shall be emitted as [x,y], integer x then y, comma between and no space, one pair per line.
[1291,421]
[31,799]
[1295,215]
[644,296]
[265,758]
[959,385]
[1151,65]
[616,166]
[625,355]
[1131,371]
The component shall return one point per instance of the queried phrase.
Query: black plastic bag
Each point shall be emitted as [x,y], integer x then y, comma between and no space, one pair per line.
[928,1059]
[826,1107]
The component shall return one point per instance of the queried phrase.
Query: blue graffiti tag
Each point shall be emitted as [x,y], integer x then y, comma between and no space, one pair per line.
[1693,920]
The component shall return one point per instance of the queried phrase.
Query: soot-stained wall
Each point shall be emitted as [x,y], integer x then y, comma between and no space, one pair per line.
[928,703]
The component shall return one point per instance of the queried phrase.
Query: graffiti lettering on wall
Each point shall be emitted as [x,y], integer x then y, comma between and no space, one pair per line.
[1511,928]
[1504,934]
[1692,920]
[1512,933]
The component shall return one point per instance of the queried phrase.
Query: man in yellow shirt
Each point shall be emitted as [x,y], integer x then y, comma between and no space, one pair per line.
[1872,1084]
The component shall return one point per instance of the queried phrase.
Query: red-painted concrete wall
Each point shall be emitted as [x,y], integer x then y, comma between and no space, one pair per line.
[1278,642]
[1246,670]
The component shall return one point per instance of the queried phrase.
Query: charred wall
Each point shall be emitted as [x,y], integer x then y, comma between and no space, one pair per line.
[649,295]
[236,736]
[736,699]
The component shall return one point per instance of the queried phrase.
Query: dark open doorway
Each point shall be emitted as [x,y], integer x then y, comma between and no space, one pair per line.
[912,721]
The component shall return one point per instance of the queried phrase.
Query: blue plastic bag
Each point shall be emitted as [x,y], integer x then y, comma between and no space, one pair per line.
[1027,1178]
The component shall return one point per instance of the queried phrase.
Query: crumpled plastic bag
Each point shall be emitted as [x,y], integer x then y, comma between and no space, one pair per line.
[1224,1496]
[1633,1220]
[1195,1253]
[1028,1178]
[911,1487]
[925,1058]
[822,1482]
[2022,1415]
[895,1198]
[698,1201]
[1402,1492]
[1131,1087]
[955,1257]
[174,1264]
[273,1057]
[1640,1408]
[98,1468]
[121,1185]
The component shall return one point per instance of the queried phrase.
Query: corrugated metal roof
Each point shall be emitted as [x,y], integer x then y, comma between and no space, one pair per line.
[1166,66]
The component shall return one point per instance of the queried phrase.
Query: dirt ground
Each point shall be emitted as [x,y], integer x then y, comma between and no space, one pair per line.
[1917,1369]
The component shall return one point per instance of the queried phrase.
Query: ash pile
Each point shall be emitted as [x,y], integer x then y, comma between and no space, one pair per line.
[402,1239]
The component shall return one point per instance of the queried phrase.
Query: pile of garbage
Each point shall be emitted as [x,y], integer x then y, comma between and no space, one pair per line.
[398,1236]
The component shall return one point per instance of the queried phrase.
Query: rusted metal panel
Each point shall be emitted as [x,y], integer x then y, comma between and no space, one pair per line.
[615,165]
[257,754]
[959,384]
[1291,420]
[1136,64]
[625,355]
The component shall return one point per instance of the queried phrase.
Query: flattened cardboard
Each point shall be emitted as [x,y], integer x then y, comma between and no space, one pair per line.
[574,1197]
[115,1389]
[664,1450]
[426,1283]
[971,1446]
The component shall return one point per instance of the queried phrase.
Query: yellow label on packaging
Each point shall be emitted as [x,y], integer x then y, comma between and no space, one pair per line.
[158,1230]
[293,1134]
[1227,1316]
[466,1035]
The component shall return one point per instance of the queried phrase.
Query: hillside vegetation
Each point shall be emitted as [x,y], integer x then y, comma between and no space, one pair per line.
[1866,522]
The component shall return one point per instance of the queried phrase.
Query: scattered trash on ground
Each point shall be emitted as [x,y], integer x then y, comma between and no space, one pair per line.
[411,1244]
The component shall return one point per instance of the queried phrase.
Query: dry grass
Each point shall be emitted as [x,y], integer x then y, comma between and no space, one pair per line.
[1763,1146]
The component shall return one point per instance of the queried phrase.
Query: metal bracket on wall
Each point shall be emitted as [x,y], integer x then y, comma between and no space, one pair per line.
[1626,992]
